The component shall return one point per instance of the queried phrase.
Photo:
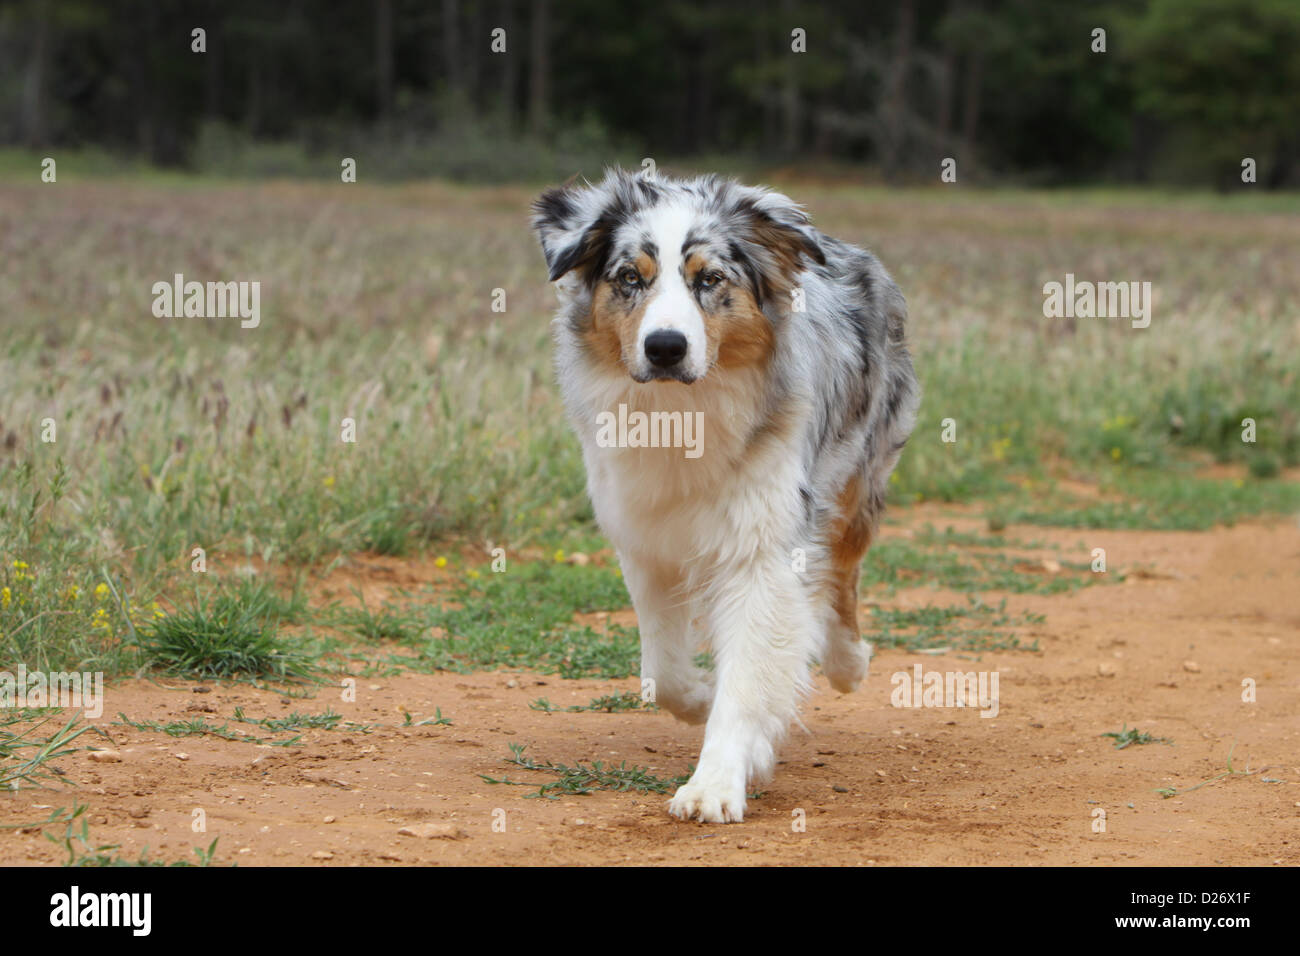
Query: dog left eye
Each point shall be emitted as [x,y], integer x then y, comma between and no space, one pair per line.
[710,279]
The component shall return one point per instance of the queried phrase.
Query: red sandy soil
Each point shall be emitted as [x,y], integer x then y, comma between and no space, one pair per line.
[1166,651]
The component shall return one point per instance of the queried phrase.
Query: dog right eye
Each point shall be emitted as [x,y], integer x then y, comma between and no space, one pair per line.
[630,278]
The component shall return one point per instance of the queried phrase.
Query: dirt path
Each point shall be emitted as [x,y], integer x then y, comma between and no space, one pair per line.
[1167,651]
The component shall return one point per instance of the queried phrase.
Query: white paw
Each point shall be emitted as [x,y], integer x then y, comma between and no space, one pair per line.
[847,664]
[709,802]
[691,704]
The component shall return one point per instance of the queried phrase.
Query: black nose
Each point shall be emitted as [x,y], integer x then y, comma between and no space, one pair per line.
[665,348]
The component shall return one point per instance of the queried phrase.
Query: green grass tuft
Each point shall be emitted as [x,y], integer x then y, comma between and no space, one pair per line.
[580,778]
[24,756]
[1128,736]
[232,634]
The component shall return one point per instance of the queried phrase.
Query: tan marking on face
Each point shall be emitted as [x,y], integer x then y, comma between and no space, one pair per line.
[739,334]
[647,267]
[692,267]
[611,336]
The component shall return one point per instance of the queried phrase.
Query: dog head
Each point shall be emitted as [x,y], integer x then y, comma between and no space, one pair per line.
[671,278]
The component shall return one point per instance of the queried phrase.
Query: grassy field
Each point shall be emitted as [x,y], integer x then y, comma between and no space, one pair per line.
[129,441]
[377,305]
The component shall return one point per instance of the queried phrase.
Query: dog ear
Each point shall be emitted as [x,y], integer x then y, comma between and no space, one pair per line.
[575,224]
[558,220]
[778,238]
[782,225]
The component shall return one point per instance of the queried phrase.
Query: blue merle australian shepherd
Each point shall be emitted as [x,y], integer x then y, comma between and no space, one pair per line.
[707,301]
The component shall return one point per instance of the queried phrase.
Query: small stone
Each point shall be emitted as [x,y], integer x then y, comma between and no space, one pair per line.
[433,831]
[322,855]
[1107,669]
[1191,667]
[328,819]
[106,756]
[181,756]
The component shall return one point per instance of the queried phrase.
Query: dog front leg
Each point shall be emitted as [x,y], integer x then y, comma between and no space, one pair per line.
[763,632]
[663,612]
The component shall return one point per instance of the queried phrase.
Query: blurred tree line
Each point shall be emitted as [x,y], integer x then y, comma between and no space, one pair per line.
[1013,89]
